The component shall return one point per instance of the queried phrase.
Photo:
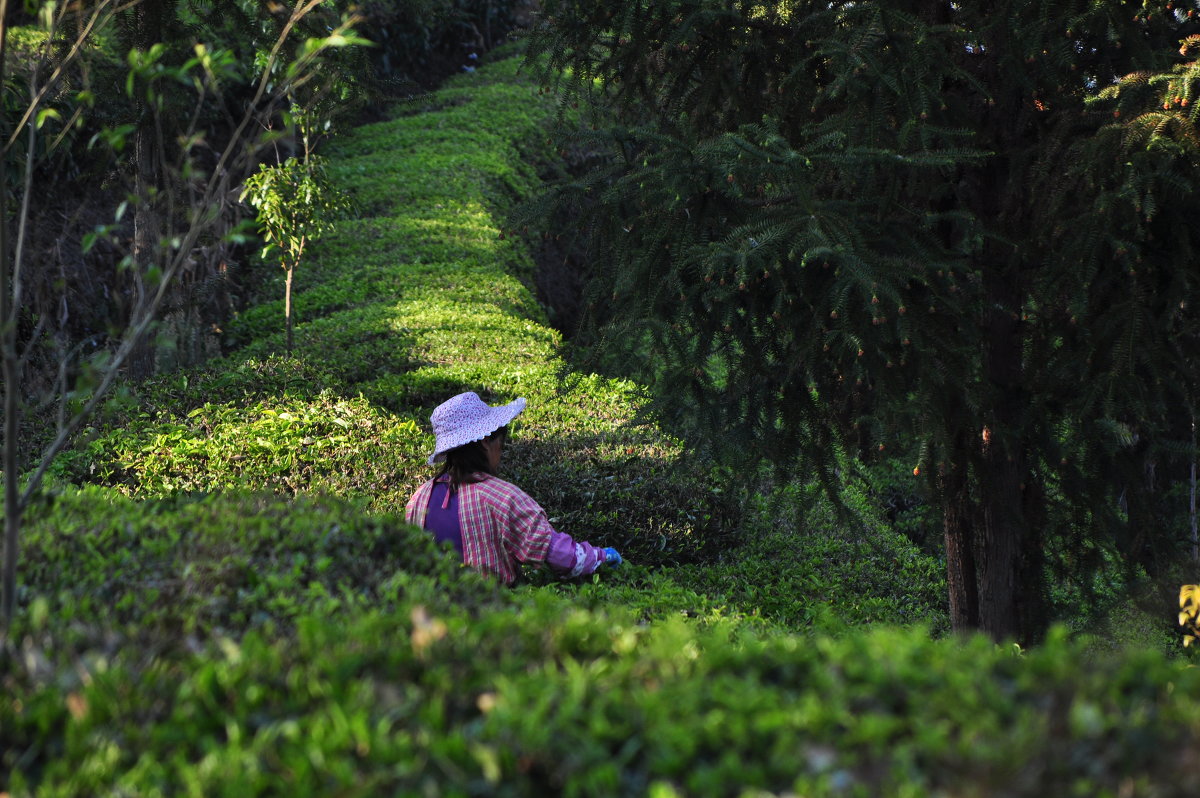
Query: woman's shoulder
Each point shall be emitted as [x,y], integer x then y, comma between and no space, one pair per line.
[429,483]
[424,487]
[494,488]
[489,483]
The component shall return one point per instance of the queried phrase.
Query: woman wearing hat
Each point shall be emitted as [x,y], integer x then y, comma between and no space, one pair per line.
[492,524]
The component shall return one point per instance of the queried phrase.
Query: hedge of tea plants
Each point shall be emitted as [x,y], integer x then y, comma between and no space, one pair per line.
[253,645]
[220,597]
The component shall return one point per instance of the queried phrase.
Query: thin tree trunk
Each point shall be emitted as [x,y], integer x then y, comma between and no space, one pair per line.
[287,306]
[292,260]
[8,354]
[150,16]
[145,236]
[1192,503]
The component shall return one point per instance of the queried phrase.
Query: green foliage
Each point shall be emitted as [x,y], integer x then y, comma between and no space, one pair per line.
[708,716]
[184,68]
[177,193]
[904,499]
[296,204]
[801,565]
[312,443]
[465,695]
[203,563]
[818,229]
[414,38]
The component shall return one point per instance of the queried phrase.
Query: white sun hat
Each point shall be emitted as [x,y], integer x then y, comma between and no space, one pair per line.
[466,418]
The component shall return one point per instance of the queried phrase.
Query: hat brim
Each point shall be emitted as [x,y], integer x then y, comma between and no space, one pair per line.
[497,417]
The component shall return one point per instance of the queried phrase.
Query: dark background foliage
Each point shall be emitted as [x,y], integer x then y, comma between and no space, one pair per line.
[956,233]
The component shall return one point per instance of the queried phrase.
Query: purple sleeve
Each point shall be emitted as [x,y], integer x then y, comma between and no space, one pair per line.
[571,559]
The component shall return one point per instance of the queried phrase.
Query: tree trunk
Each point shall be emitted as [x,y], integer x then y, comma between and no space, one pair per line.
[8,354]
[287,307]
[958,527]
[959,530]
[1005,554]
[1195,536]
[145,237]
[150,16]
[999,548]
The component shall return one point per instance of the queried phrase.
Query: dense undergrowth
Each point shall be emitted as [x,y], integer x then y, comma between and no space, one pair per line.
[220,598]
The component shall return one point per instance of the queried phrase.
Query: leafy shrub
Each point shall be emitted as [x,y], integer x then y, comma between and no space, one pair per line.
[540,697]
[199,564]
[800,564]
[900,496]
[883,713]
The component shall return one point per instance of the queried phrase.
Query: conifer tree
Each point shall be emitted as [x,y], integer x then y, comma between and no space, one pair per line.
[830,226]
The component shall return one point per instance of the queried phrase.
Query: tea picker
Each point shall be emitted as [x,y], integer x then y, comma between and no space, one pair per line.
[492,524]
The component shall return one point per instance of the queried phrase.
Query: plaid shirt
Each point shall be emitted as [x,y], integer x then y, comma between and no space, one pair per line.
[501,525]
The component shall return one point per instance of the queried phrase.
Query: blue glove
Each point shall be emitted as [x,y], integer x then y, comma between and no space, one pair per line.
[612,557]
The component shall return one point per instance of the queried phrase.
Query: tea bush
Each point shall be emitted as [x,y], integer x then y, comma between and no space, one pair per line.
[534,696]
[800,565]
[200,564]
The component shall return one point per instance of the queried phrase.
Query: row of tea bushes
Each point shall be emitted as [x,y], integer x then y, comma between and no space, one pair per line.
[437,683]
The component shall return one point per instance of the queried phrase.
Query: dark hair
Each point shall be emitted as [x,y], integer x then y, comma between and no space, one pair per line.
[464,462]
